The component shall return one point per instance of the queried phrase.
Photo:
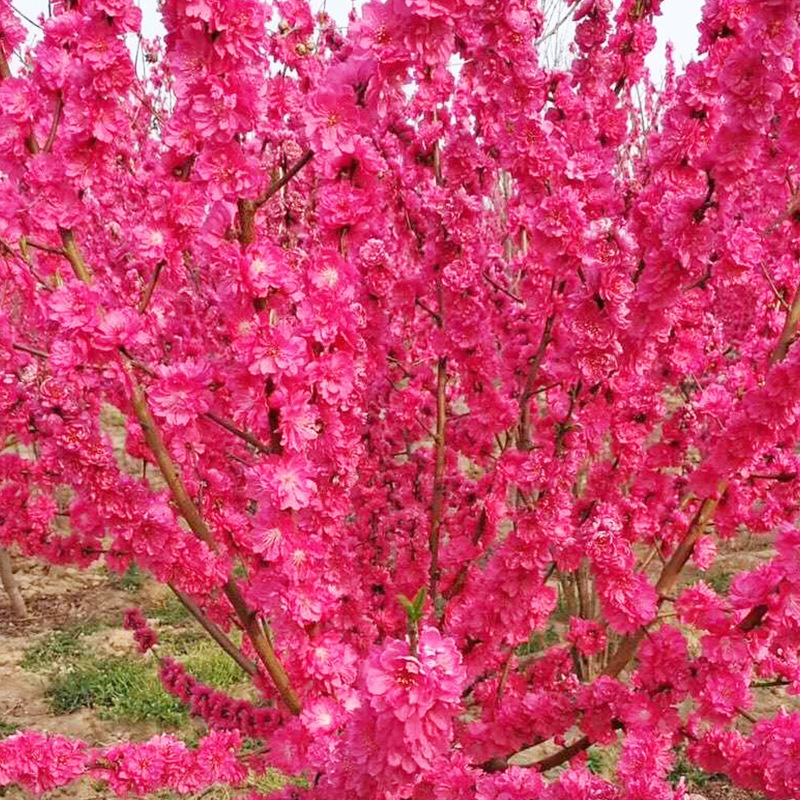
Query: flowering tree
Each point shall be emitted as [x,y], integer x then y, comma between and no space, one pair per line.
[417,359]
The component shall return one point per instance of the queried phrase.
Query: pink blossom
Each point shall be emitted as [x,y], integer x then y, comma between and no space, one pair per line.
[181,393]
[513,784]
[286,481]
[587,636]
[332,119]
[516,333]
[298,421]
[279,350]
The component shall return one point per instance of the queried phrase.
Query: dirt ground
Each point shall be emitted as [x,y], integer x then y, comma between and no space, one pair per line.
[57,598]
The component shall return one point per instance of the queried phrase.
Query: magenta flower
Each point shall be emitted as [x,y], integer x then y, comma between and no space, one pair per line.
[331,119]
[587,636]
[422,692]
[181,393]
[285,482]
[279,350]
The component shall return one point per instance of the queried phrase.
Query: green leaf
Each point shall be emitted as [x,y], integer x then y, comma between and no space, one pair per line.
[419,601]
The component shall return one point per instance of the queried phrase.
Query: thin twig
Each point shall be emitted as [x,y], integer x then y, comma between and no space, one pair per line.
[244,435]
[501,685]
[51,137]
[502,289]
[26,18]
[23,348]
[772,286]
[780,477]
[148,292]
[778,682]
[554,30]
[437,318]
[649,557]
[437,503]
[24,257]
[749,717]
[535,363]
[215,632]
[47,248]
[278,184]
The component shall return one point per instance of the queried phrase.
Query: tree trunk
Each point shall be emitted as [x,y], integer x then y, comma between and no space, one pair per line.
[10,585]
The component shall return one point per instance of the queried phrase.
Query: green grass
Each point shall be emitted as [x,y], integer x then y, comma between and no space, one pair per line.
[695,778]
[720,582]
[538,642]
[210,665]
[170,612]
[58,645]
[119,688]
[130,581]
[596,761]
[127,688]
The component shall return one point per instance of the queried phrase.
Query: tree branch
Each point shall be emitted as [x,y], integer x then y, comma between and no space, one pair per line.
[189,512]
[186,506]
[10,585]
[214,631]
[51,137]
[788,332]
[534,364]
[73,254]
[437,503]
[278,184]
[148,292]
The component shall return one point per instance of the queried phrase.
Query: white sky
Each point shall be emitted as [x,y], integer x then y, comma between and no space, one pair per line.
[678,23]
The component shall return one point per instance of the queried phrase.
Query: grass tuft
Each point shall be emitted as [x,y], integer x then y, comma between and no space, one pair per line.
[130,581]
[118,688]
[170,612]
[58,645]
[694,777]
[7,728]
[210,665]
[537,642]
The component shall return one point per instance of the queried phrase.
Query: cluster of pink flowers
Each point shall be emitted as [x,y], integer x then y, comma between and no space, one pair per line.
[405,722]
[144,636]
[219,710]
[39,762]
[300,320]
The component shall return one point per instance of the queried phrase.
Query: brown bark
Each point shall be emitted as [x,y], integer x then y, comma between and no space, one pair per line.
[10,585]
